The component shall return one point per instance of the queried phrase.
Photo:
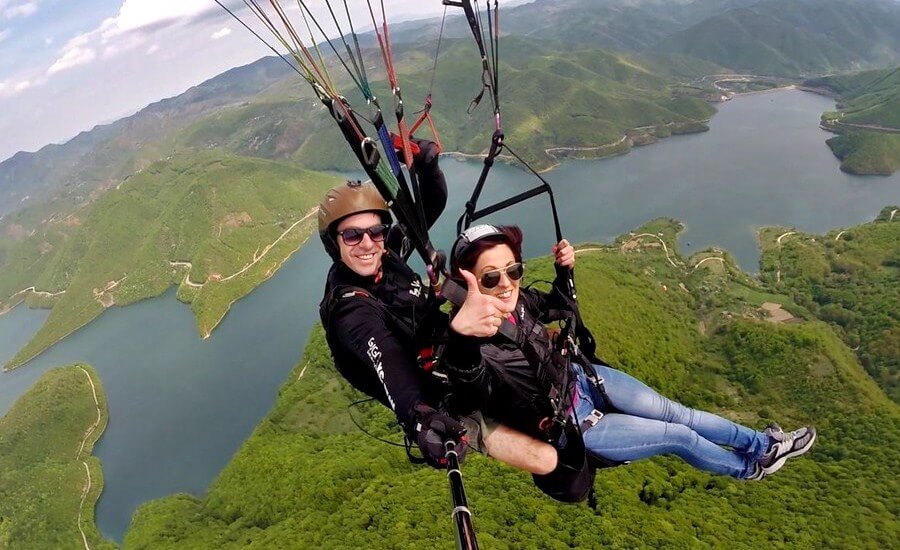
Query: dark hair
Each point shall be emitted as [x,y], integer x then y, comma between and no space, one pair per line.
[511,235]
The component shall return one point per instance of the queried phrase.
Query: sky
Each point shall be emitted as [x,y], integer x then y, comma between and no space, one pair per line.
[68,65]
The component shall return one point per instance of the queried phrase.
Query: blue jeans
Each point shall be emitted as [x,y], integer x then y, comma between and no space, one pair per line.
[647,424]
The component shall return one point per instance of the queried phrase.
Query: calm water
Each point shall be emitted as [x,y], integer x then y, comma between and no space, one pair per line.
[180,407]
[763,162]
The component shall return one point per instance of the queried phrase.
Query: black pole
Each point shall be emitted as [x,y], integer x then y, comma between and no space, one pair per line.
[462,517]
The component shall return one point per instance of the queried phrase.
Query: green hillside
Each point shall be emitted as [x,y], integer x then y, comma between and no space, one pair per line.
[795,37]
[308,478]
[101,158]
[264,110]
[216,224]
[867,153]
[49,481]
[583,99]
[868,120]
[580,99]
[851,280]
[552,99]
[621,25]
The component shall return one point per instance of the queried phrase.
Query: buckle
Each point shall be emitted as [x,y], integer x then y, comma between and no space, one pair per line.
[592,419]
[545,424]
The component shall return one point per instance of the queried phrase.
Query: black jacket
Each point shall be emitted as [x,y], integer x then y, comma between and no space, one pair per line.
[498,378]
[375,335]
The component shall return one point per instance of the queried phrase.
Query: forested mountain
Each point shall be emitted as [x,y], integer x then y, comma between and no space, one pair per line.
[217,225]
[796,37]
[868,120]
[104,156]
[850,279]
[675,42]
[587,98]
[309,478]
[614,24]
[49,480]
[870,97]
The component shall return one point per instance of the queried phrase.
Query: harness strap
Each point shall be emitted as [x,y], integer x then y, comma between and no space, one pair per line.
[347,292]
[591,420]
[597,381]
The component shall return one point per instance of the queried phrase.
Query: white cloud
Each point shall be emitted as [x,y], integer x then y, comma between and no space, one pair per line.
[122,32]
[48,41]
[75,54]
[221,33]
[141,14]
[11,87]
[4,34]
[153,49]
[19,9]
[122,44]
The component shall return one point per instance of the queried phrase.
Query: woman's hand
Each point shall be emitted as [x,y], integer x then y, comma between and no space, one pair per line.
[481,314]
[564,254]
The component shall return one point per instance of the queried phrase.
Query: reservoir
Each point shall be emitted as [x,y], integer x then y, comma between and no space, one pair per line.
[180,407]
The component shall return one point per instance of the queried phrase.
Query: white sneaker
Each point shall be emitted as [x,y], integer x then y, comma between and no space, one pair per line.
[785,446]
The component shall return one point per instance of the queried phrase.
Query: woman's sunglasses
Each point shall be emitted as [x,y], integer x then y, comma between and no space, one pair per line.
[354,235]
[490,279]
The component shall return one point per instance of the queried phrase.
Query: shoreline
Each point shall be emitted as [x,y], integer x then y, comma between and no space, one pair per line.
[203,334]
[25,292]
[628,139]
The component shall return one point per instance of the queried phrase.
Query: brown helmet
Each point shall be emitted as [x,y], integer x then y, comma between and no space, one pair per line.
[348,198]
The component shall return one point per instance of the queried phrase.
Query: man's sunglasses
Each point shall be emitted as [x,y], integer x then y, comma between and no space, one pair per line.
[490,279]
[354,235]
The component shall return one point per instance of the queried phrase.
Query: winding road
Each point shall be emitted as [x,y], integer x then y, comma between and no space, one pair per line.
[88,433]
[710,258]
[257,256]
[783,235]
[657,237]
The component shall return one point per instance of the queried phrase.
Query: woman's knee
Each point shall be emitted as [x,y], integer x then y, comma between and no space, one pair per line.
[681,436]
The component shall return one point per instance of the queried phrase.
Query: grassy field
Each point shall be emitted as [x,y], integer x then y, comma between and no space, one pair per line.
[46,440]
[215,224]
[308,478]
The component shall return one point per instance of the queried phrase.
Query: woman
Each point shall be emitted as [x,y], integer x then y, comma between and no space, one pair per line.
[620,418]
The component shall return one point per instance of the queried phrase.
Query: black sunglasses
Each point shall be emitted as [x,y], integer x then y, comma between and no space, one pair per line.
[354,235]
[491,278]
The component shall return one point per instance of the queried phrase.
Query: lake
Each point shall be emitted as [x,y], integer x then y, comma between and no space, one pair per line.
[180,406]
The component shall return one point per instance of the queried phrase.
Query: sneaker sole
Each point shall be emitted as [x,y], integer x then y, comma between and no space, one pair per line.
[775,466]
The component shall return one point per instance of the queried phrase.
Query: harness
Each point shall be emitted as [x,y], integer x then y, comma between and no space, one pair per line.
[427,336]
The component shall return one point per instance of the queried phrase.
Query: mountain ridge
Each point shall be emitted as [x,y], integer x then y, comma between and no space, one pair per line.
[102,157]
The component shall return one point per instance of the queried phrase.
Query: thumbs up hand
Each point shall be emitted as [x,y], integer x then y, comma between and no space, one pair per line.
[481,314]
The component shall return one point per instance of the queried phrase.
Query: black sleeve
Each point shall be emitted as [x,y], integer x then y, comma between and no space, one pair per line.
[361,328]
[469,377]
[548,307]
[432,183]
